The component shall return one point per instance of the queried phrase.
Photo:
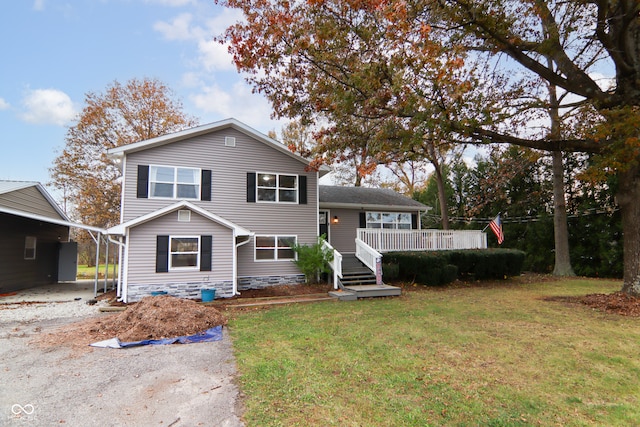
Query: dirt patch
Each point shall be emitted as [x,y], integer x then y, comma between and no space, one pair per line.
[284,290]
[616,302]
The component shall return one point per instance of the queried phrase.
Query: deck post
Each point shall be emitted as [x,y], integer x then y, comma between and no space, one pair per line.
[379,271]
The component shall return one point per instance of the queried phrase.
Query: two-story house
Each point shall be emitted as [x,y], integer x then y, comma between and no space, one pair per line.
[216,206]
[221,206]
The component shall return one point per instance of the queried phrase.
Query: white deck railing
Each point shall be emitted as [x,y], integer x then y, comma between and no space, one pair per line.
[335,264]
[370,257]
[388,240]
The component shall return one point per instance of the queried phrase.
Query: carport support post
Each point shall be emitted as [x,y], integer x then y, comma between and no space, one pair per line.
[95,280]
[106,265]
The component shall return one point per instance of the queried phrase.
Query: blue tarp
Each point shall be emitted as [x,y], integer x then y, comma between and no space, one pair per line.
[212,334]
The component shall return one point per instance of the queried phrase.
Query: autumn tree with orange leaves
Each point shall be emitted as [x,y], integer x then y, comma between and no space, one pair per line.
[123,114]
[368,72]
[408,63]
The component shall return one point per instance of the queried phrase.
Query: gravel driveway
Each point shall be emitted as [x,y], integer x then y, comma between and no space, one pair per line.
[171,385]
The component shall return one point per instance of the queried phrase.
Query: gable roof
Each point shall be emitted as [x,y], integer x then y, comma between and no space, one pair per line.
[121,229]
[29,205]
[31,212]
[205,129]
[366,198]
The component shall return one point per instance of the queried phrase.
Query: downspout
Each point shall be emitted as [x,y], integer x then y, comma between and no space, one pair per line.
[235,264]
[119,283]
[125,269]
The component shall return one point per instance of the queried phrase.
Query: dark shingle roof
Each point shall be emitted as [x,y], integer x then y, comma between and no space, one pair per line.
[365,197]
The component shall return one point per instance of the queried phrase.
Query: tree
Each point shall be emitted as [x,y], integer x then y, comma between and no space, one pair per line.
[135,111]
[530,32]
[367,68]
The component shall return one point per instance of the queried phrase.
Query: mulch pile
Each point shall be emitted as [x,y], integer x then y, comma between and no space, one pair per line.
[161,317]
[617,302]
[154,317]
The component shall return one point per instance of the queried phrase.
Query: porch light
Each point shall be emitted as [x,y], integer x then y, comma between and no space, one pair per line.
[335,220]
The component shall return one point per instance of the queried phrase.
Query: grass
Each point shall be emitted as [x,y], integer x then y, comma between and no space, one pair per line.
[87,272]
[476,356]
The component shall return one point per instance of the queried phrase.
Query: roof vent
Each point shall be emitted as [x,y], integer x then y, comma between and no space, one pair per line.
[184,215]
[229,141]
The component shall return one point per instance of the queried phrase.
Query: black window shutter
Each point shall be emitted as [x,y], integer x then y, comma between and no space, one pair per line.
[363,220]
[302,190]
[143,182]
[414,221]
[251,187]
[162,254]
[206,250]
[205,189]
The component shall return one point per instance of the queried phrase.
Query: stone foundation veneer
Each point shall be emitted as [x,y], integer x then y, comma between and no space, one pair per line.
[190,290]
[261,282]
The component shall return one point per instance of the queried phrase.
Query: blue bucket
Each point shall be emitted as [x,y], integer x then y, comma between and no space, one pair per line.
[158,293]
[208,295]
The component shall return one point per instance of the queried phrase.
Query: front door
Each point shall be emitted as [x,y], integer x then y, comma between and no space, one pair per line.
[323,220]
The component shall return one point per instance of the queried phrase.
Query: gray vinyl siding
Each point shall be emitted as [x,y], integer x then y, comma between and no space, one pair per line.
[29,200]
[17,273]
[142,250]
[229,166]
[342,235]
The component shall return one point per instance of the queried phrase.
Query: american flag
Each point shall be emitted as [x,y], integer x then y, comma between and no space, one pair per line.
[496,227]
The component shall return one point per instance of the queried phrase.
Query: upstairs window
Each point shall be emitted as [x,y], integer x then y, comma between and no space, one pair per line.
[169,182]
[273,187]
[393,220]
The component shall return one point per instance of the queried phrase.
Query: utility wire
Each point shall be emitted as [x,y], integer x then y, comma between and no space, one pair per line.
[526,219]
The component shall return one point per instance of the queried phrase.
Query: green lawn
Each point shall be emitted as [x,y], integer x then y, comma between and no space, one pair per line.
[86,272]
[477,356]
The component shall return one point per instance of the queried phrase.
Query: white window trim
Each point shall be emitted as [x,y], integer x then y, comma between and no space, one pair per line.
[277,187]
[395,223]
[274,248]
[28,247]
[175,183]
[197,252]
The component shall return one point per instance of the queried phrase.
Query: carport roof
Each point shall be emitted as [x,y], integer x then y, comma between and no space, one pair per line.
[10,186]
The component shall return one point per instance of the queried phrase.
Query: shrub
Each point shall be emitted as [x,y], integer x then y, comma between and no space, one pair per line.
[313,260]
[390,270]
[442,267]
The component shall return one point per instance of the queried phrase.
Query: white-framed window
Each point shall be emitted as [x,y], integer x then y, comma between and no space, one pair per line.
[275,187]
[30,247]
[393,220]
[184,252]
[275,248]
[169,182]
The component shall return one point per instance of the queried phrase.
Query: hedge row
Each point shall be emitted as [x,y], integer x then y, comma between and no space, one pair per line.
[441,267]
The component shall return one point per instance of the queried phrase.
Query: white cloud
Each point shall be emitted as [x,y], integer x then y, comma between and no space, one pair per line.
[180,28]
[215,56]
[238,102]
[4,105]
[172,3]
[48,106]
[38,5]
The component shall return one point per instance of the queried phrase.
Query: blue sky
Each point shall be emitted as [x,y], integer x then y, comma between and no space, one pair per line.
[56,51]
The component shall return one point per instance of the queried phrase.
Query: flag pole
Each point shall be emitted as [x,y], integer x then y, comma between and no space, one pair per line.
[486,226]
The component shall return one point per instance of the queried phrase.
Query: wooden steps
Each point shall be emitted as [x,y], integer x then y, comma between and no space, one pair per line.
[358,281]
